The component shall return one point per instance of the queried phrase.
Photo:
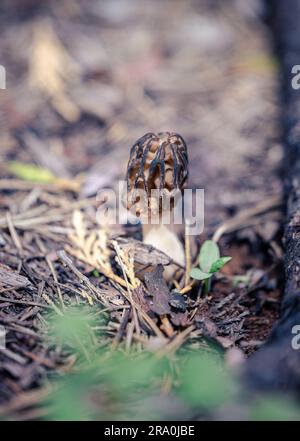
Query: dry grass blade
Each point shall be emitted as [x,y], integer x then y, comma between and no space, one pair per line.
[13,232]
[246,218]
[175,344]
[23,302]
[11,279]
[92,247]
[51,303]
[127,264]
[52,269]
[25,400]
[96,293]
[56,186]
[187,254]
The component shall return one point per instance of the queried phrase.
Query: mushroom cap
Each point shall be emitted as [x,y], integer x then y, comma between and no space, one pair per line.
[157,162]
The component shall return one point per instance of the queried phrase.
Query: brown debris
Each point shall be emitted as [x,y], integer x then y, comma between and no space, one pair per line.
[145,254]
[11,279]
[158,290]
[78,123]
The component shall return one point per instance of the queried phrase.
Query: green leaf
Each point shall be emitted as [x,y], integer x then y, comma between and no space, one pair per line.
[96,273]
[218,264]
[31,172]
[274,409]
[205,381]
[197,274]
[243,279]
[209,253]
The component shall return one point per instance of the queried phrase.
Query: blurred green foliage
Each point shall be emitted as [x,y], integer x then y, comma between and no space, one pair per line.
[205,382]
[275,408]
[114,385]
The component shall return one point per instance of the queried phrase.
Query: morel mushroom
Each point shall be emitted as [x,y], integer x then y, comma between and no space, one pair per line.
[158,165]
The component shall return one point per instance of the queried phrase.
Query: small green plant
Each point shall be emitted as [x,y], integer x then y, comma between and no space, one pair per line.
[210,262]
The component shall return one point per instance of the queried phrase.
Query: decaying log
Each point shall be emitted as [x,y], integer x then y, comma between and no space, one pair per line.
[276,366]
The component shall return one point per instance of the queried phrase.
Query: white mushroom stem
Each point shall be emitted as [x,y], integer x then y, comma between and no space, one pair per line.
[165,239]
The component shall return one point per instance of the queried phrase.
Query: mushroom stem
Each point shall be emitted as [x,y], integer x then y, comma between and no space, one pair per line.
[165,239]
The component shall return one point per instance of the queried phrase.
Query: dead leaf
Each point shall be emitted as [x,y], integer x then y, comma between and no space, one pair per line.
[145,254]
[141,298]
[158,290]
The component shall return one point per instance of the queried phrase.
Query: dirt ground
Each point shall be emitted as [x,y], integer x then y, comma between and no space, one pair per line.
[84,81]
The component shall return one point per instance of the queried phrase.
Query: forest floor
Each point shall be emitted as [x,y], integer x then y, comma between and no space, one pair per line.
[84,81]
